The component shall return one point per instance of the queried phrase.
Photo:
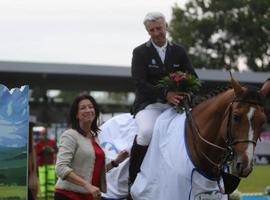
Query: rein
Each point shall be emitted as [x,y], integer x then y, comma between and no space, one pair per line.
[229,140]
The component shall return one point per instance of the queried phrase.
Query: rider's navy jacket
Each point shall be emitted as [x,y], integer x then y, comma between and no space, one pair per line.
[147,69]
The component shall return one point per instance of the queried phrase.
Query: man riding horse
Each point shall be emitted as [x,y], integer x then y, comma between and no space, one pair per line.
[151,61]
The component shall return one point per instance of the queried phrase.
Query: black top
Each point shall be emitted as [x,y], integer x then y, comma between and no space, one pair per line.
[147,69]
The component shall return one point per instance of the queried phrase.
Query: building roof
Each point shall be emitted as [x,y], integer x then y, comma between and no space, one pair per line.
[96,77]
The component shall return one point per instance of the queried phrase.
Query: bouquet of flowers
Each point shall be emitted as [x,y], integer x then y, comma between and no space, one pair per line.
[180,82]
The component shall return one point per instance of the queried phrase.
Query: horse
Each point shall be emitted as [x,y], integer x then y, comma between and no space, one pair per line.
[219,131]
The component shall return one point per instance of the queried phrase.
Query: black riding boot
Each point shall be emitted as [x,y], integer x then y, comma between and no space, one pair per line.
[137,154]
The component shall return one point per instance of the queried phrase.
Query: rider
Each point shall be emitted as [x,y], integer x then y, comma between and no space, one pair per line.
[150,62]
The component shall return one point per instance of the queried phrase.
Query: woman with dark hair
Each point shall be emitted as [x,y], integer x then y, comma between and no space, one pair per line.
[75,124]
[80,164]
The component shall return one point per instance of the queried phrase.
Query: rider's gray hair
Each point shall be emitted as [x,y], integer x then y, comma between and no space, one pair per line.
[153,16]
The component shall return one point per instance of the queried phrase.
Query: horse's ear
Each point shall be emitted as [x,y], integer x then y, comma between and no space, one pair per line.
[238,90]
[265,88]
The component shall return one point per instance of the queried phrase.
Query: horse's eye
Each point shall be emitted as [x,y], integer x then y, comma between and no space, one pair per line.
[236,118]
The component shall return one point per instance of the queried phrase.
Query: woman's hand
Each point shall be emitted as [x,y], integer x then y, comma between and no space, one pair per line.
[123,155]
[95,191]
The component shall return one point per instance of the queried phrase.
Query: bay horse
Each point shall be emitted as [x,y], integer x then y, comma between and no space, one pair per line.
[229,123]
[219,131]
[225,128]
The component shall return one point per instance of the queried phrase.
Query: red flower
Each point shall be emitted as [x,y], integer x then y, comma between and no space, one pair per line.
[172,76]
[181,82]
[178,78]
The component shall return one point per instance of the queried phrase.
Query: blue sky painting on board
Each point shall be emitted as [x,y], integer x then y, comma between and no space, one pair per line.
[13,116]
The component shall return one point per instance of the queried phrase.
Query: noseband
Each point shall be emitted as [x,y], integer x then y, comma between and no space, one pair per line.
[229,140]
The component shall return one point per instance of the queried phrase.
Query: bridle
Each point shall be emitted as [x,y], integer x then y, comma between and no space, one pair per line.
[230,141]
[228,152]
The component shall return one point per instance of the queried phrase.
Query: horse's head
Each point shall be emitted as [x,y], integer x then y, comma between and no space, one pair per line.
[245,121]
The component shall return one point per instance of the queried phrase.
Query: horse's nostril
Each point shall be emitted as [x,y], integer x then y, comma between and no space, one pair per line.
[239,167]
[252,164]
[242,169]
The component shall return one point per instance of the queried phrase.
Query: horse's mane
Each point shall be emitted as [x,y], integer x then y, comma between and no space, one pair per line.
[251,95]
[196,100]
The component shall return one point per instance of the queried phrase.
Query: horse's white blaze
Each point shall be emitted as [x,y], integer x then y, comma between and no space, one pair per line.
[250,148]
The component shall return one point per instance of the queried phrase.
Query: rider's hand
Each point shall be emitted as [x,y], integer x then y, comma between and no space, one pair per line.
[174,97]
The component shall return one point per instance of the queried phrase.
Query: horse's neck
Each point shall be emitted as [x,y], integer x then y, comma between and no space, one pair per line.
[210,114]
[209,117]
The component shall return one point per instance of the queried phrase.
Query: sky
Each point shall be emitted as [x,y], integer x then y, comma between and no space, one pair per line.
[102,32]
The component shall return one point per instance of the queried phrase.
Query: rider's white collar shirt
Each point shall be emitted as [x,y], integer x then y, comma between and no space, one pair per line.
[161,50]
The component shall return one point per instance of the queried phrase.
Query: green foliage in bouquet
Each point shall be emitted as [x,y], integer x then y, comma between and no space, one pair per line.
[180,82]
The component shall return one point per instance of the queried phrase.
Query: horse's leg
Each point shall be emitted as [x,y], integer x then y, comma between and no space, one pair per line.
[137,154]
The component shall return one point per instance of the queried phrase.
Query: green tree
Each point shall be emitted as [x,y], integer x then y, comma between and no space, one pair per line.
[68,96]
[222,33]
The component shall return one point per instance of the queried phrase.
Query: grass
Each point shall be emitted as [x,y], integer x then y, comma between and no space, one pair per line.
[13,191]
[257,181]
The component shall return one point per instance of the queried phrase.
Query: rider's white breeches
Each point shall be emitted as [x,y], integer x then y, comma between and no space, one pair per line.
[146,119]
